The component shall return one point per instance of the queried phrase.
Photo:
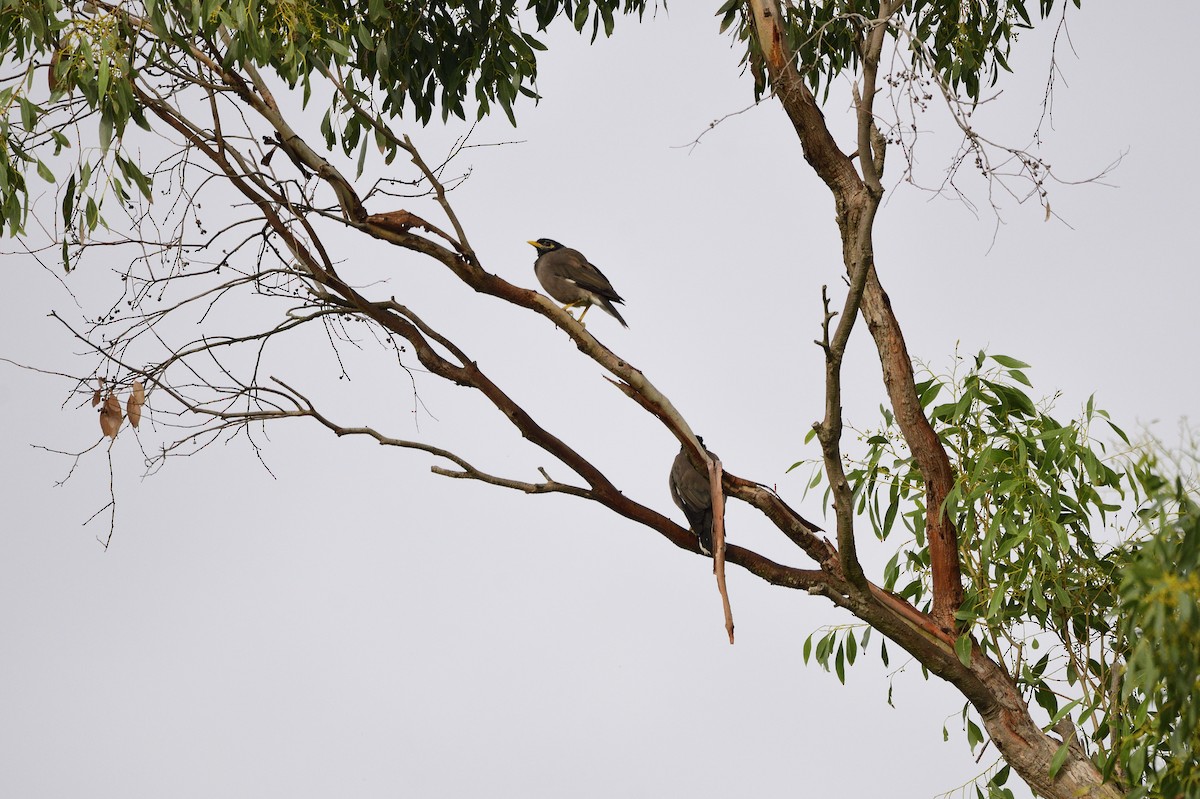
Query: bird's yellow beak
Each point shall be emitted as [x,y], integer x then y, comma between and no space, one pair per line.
[535,244]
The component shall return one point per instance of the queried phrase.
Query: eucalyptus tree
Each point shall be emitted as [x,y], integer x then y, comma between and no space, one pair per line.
[1002,508]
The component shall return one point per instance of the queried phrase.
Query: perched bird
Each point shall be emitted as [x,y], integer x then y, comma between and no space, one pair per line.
[690,490]
[568,277]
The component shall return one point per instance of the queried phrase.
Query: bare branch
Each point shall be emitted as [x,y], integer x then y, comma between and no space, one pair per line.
[829,431]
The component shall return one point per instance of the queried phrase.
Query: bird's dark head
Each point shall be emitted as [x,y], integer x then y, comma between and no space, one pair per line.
[546,245]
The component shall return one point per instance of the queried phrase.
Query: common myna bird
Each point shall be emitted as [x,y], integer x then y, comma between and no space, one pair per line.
[689,489]
[568,277]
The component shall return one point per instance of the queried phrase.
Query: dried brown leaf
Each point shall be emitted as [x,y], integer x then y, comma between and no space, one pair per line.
[133,408]
[96,398]
[51,79]
[110,416]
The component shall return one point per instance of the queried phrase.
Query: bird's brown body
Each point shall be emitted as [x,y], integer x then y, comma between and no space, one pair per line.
[691,493]
[570,278]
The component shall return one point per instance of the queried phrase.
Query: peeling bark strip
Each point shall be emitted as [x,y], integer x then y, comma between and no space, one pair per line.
[718,530]
[1004,711]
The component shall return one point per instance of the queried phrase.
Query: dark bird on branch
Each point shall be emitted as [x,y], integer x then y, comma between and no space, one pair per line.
[690,490]
[569,278]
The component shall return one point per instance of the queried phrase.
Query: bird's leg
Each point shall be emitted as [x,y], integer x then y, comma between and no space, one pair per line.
[585,310]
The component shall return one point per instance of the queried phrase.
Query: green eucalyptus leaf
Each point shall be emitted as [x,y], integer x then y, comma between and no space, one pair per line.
[962,647]
[1059,758]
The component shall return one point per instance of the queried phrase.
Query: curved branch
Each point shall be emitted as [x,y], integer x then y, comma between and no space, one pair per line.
[467,470]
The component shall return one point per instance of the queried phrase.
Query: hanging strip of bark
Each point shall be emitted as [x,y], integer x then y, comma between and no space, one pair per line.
[718,529]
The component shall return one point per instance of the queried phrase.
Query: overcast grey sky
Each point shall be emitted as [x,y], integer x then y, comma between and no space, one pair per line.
[349,624]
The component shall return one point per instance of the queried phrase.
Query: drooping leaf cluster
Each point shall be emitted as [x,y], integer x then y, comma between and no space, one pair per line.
[1159,725]
[964,43]
[419,54]
[1082,567]
[1029,493]
[88,57]
[392,57]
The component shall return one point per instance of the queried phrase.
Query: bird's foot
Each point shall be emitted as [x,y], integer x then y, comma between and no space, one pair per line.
[571,305]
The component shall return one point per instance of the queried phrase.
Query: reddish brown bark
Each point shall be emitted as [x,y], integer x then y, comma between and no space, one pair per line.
[925,446]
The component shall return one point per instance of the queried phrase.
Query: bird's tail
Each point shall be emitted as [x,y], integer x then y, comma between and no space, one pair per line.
[704,533]
[612,309]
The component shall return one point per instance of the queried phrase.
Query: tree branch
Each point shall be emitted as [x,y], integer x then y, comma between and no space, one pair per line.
[829,431]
